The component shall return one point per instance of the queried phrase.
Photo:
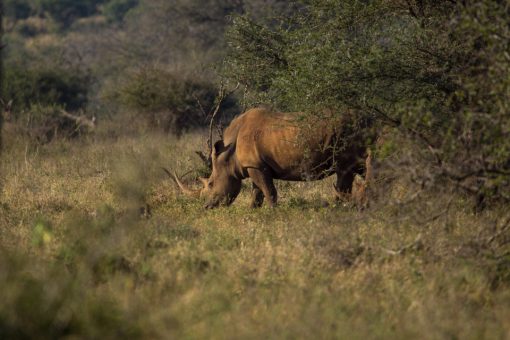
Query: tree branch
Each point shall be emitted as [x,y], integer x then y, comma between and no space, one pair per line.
[222,94]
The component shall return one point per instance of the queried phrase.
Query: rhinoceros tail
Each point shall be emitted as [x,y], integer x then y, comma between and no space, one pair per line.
[368,168]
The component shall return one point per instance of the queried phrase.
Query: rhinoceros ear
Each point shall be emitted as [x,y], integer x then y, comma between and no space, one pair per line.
[217,150]
[221,149]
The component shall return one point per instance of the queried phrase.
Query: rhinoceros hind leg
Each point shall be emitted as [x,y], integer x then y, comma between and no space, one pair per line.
[265,182]
[257,197]
[344,180]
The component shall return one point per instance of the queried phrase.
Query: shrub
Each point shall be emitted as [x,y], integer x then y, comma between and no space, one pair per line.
[39,96]
[18,9]
[437,71]
[167,100]
[45,86]
[32,26]
[65,12]
[115,10]
[44,123]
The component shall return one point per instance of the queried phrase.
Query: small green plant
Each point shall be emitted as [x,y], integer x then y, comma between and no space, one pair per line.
[41,235]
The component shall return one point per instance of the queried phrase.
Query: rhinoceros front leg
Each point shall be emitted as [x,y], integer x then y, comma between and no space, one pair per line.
[343,185]
[265,183]
[257,197]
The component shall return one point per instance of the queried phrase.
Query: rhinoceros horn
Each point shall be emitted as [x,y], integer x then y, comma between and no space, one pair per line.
[185,190]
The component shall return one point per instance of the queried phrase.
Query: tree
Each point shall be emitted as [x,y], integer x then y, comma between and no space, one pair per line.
[438,71]
[174,37]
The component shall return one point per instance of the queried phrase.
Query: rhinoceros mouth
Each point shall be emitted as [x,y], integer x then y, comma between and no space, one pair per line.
[220,201]
[214,203]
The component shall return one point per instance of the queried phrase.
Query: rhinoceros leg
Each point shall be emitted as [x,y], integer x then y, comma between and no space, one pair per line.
[265,182]
[343,185]
[257,197]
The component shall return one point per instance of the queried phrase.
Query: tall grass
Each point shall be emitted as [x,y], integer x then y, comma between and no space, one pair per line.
[95,242]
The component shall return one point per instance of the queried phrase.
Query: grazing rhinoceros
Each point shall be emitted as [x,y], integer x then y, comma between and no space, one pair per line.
[265,145]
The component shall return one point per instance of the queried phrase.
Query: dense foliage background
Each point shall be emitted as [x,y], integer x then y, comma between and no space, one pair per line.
[437,71]
[98,95]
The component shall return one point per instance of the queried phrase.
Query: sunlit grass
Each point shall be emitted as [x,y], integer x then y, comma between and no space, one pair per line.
[81,255]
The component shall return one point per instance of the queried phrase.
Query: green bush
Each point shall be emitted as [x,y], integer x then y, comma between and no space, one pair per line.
[39,96]
[166,99]
[46,86]
[115,10]
[18,9]
[44,123]
[65,12]
[437,71]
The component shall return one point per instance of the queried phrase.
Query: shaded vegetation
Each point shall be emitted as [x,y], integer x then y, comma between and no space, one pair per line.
[46,87]
[168,100]
[116,10]
[153,55]
[437,72]
[96,242]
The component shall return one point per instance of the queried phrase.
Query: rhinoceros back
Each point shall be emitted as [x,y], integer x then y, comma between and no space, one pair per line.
[291,148]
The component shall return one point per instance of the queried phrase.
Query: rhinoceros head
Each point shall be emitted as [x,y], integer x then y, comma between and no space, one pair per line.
[223,186]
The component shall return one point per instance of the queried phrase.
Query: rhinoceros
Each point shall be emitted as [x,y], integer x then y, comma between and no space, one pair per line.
[264,145]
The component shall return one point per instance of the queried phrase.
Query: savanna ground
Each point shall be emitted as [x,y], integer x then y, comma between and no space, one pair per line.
[96,242]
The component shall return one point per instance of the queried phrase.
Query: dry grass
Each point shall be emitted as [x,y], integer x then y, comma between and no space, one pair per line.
[80,258]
